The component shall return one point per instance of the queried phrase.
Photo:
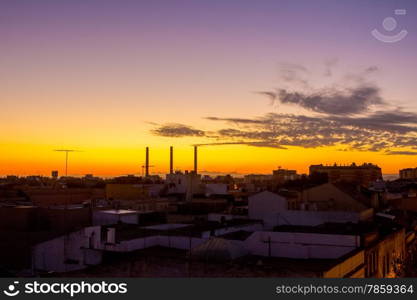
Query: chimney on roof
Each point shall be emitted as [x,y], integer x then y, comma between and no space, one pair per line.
[171,160]
[147,162]
[195,159]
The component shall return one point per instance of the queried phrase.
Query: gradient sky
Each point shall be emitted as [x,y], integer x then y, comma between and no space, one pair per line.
[100,76]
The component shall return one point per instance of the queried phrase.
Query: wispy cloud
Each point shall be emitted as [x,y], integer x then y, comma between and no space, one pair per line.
[339,117]
[294,73]
[373,133]
[176,130]
[329,65]
[263,144]
[332,101]
[401,153]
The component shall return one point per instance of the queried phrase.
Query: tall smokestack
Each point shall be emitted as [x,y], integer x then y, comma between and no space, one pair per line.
[171,160]
[147,162]
[195,159]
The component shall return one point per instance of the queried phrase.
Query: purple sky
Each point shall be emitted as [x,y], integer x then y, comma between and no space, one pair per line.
[112,66]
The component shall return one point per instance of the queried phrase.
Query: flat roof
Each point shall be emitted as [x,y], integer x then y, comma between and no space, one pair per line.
[19,206]
[246,266]
[133,231]
[167,226]
[330,228]
[240,235]
[118,211]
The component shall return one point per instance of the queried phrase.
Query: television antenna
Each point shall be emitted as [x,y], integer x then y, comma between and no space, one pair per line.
[67,151]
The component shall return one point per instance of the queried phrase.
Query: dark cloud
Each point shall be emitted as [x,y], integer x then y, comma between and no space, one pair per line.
[235,120]
[177,130]
[254,144]
[346,118]
[372,133]
[401,153]
[332,101]
[377,132]
[350,100]
[394,121]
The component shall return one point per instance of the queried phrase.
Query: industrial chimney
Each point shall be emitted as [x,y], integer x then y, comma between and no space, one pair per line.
[195,159]
[147,162]
[171,160]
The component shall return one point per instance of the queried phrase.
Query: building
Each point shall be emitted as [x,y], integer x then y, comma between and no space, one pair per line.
[203,250]
[79,249]
[409,173]
[385,254]
[257,178]
[282,175]
[23,226]
[115,216]
[46,197]
[216,189]
[159,262]
[202,205]
[363,174]
[336,197]
[274,209]
[265,203]
[300,244]
[70,252]
[121,191]
[188,184]
[54,174]
[141,197]
[383,244]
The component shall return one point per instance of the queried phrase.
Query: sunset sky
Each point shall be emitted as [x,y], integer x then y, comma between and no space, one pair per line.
[258,84]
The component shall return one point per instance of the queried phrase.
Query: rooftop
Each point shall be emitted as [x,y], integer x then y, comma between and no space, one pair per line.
[330,228]
[240,235]
[132,231]
[119,211]
[168,262]
[351,166]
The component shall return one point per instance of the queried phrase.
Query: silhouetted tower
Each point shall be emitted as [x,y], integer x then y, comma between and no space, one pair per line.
[195,159]
[171,160]
[147,162]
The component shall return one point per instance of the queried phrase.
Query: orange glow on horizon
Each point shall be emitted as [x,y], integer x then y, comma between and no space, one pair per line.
[27,159]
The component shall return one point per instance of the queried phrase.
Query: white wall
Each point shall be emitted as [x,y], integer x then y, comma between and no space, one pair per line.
[103,218]
[265,203]
[177,242]
[52,255]
[218,217]
[301,245]
[249,227]
[230,229]
[180,242]
[309,218]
